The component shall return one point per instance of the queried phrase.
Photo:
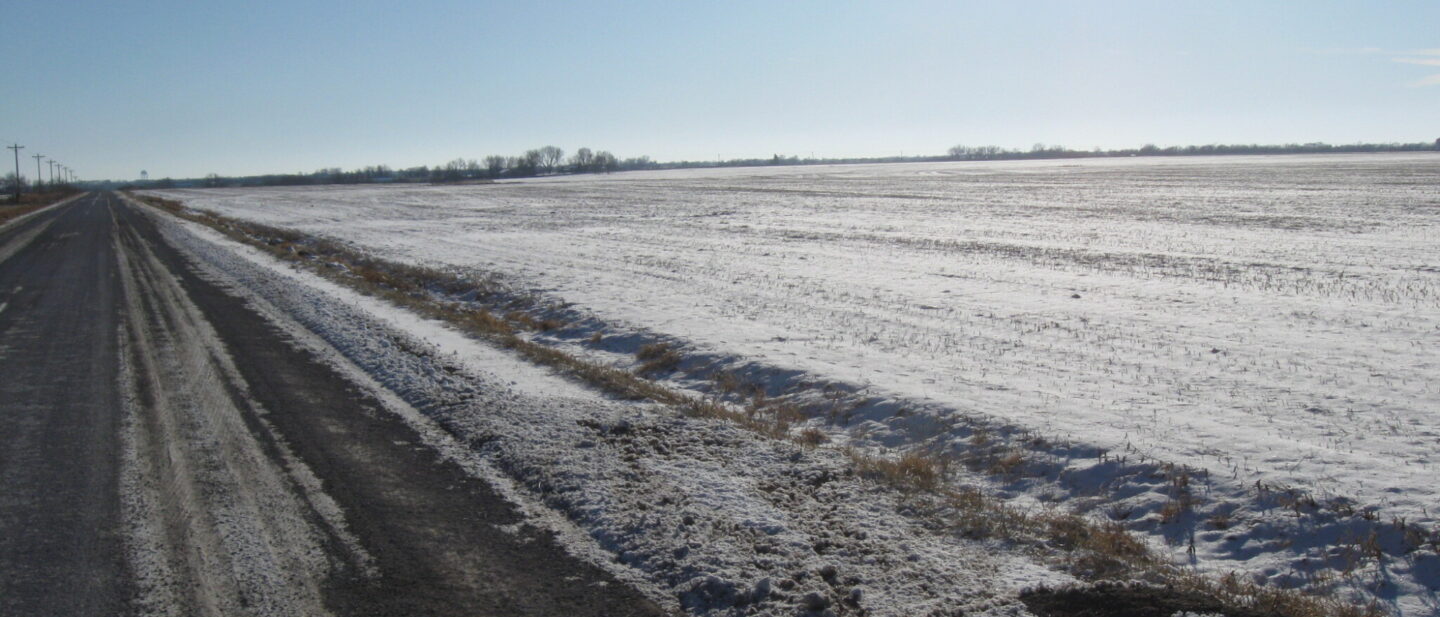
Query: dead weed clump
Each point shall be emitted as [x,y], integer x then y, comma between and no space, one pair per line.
[913,471]
[812,437]
[658,358]
[727,382]
[1008,465]
[1181,500]
[529,322]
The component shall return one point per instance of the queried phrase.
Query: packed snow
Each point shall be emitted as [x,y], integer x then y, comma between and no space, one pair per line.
[1272,321]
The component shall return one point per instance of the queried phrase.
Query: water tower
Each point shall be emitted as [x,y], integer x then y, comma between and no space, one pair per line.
[144,175]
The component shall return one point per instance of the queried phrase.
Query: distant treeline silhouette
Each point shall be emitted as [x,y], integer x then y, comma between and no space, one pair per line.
[1042,151]
[551,160]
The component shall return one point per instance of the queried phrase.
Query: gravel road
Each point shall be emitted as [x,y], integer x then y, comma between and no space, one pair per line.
[165,450]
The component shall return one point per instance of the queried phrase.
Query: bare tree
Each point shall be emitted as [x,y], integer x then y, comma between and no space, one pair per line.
[453,171]
[606,162]
[494,164]
[638,162]
[582,160]
[14,184]
[968,153]
[527,164]
[550,157]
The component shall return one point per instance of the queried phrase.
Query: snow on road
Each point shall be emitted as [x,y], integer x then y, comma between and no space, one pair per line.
[214,526]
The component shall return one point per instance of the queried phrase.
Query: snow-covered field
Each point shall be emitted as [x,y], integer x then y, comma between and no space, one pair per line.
[1271,319]
[698,514]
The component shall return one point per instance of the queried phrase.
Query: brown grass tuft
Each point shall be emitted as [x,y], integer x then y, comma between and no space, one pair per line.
[812,437]
[912,471]
[657,358]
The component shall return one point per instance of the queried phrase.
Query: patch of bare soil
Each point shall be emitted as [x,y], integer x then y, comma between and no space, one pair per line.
[1119,600]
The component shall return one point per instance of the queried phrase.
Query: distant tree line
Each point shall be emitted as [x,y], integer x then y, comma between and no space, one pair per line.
[551,160]
[33,192]
[547,160]
[1042,151]
[12,184]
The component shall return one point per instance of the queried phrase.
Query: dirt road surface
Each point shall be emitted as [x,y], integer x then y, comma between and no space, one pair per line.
[164,450]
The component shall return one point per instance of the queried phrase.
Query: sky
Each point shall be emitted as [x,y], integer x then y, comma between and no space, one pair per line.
[184,88]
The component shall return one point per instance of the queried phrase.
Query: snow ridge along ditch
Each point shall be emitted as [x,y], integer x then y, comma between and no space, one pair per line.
[709,517]
[953,468]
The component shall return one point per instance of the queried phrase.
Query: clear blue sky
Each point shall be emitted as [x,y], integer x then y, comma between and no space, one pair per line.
[186,88]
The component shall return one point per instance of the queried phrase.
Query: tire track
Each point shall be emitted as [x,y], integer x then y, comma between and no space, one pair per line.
[220,388]
[220,524]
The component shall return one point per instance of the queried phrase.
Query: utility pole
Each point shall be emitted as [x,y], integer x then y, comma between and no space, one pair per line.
[52,171]
[17,148]
[37,158]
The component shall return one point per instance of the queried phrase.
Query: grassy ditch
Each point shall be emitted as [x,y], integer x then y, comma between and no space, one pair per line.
[1093,551]
[30,202]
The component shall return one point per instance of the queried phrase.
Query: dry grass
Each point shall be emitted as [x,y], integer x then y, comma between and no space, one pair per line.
[658,358]
[1171,511]
[10,213]
[812,438]
[1008,465]
[37,199]
[913,471]
[1093,550]
[30,202]
[728,382]
[529,322]
[1220,520]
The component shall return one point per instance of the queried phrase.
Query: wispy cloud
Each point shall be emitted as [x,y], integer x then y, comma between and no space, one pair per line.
[1369,51]
[1423,61]
[1433,80]
[1343,51]
[1421,57]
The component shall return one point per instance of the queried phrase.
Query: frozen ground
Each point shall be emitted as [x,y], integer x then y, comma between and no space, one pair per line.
[698,514]
[1270,319]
